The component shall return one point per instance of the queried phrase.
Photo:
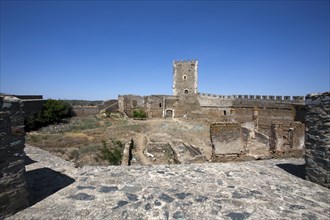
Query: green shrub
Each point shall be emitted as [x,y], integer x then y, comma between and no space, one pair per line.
[114,155]
[53,112]
[139,114]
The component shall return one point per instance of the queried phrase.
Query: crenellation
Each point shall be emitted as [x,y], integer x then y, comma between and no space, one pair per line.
[260,98]
[298,98]
[287,98]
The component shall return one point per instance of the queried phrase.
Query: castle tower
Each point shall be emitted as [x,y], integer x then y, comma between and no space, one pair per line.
[185,77]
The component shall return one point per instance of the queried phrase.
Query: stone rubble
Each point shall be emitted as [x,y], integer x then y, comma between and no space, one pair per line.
[244,190]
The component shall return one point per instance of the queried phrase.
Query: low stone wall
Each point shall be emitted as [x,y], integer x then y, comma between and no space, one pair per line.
[297,135]
[83,111]
[317,140]
[127,153]
[13,188]
[227,138]
[31,107]
[276,137]
[287,141]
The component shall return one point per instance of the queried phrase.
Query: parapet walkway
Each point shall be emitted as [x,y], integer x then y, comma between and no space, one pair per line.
[270,189]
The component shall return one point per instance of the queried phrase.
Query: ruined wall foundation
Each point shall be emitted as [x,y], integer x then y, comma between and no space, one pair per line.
[13,191]
[276,137]
[227,138]
[317,140]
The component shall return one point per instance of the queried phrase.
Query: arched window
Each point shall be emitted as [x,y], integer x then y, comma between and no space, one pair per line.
[186,91]
[184,77]
[160,105]
[224,112]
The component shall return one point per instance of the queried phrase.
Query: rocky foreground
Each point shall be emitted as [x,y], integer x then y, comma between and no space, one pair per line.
[269,189]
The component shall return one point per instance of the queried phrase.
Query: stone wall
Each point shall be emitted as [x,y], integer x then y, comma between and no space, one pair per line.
[13,191]
[127,153]
[31,104]
[287,140]
[317,140]
[227,138]
[297,135]
[109,105]
[276,141]
[127,103]
[30,107]
[83,111]
[155,106]
[161,106]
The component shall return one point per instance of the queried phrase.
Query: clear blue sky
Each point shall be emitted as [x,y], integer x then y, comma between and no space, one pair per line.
[99,49]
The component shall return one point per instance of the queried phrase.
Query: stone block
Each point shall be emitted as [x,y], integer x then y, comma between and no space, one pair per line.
[276,137]
[317,139]
[227,138]
[13,188]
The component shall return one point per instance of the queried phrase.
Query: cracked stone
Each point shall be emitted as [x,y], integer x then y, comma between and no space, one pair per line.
[178,215]
[166,198]
[121,203]
[132,197]
[107,189]
[238,215]
[182,195]
[85,187]
[83,197]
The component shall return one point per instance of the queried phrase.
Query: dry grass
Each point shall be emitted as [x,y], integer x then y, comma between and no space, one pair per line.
[80,140]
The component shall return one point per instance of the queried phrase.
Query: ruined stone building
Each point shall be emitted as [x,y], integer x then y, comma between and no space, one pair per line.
[279,118]
[187,102]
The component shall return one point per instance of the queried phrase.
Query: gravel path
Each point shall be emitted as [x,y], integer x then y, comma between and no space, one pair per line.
[269,189]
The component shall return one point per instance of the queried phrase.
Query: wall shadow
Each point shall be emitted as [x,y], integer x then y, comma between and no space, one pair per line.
[44,182]
[296,170]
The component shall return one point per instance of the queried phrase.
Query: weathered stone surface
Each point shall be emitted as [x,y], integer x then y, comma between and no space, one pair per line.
[227,138]
[317,138]
[297,135]
[185,77]
[276,136]
[245,190]
[13,191]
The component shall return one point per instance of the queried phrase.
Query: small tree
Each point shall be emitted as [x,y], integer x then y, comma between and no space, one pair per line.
[139,114]
[53,111]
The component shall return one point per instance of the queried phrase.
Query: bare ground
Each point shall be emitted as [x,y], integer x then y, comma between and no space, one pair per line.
[80,140]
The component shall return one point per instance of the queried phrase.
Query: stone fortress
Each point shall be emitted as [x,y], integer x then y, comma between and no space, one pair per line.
[187,102]
[236,120]
[258,189]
